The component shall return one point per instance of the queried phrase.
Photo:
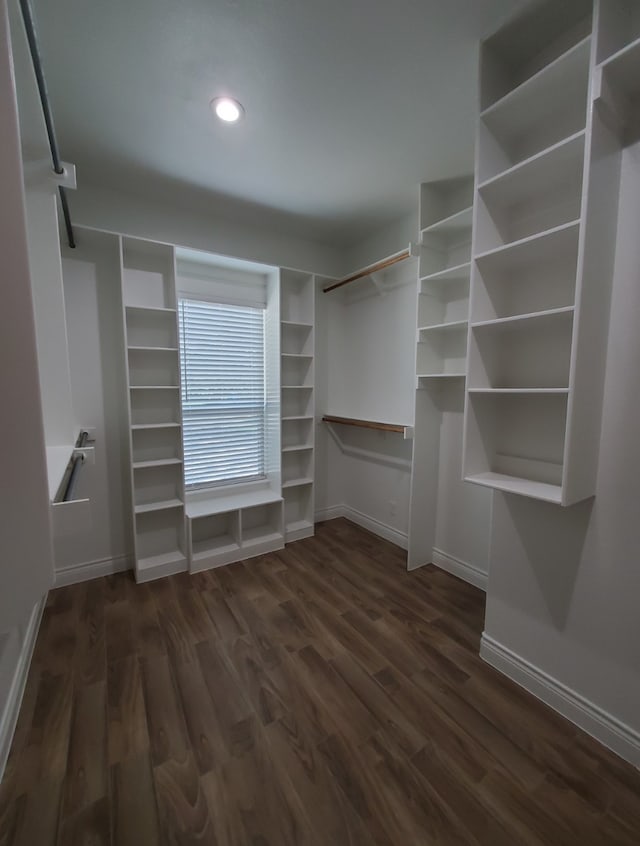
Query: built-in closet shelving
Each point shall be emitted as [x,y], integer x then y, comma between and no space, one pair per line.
[297,299]
[444,267]
[542,258]
[446,217]
[153,385]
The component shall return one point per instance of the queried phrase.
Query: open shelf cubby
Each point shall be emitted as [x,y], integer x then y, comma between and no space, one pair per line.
[529,352]
[296,371]
[261,524]
[153,367]
[156,444]
[157,487]
[551,107]
[297,402]
[214,540]
[619,26]
[529,45]
[297,466]
[296,297]
[442,353]
[298,512]
[541,195]
[151,328]
[296,433]
[160,544]
[148,274]
[155,406]
[515,442]
[296,339]
[534,275]
[443,302]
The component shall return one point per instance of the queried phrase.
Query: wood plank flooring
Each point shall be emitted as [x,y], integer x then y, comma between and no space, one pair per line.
[318,696]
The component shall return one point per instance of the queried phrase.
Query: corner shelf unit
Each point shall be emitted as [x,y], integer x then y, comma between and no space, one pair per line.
[297,308]
[155,443]
[542,258]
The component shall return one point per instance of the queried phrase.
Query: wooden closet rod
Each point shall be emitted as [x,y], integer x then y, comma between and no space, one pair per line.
[366,424]
[367,271]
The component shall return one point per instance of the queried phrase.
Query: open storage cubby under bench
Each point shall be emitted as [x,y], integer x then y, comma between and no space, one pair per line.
[231,528]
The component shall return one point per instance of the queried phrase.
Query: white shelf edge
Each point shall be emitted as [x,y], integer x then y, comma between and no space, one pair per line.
[296,355]
[444,327]
[296,387]
[519,391]
[154,387]
[297,417]
[257,537]
[297,483]
[516,485]
[533,80]
[443,275]
[163,505]
[151,309]
[141,426]
[620,54]
[523,318]
[512,245]
[441,375]
[137,348]
[199,554]
[300,448]
[160,462]
[525,163]
[449,222]
[297,323]
[150,562]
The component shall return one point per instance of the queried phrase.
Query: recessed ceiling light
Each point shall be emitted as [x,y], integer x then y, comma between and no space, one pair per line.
[227,109]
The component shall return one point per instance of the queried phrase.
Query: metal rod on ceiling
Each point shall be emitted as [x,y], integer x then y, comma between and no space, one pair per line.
[27,17]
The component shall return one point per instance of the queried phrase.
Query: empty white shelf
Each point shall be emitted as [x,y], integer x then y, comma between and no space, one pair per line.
[150,309]
[460,221]
[445,327]
[455,273]
[534,240]
[518,390]
[163,505]
[223,504]
[297,448]
[142,426]
[165,559]
[154,387]
[512,484]
[160,462]
[139,348]
[532,101]
[539,318]
[623,69]
[294,483]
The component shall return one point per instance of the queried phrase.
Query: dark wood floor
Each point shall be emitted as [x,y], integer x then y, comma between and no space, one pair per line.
[317,696]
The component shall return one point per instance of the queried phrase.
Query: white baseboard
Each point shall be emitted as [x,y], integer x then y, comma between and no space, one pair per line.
[9,716]
[604,727]
[331,513]
[461,569]
[91,570]
[370,523]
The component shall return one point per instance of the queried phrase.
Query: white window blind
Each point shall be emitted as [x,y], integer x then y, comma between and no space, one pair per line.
[223,392]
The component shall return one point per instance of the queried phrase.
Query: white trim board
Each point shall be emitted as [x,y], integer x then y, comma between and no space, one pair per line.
[462,569]
[91,570]
[604,727]
[9,716]
[371,524]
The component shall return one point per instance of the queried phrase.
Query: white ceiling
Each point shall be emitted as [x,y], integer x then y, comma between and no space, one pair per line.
[350,104]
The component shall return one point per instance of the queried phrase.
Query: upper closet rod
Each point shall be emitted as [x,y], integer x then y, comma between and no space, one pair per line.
[367,271]
[27,17]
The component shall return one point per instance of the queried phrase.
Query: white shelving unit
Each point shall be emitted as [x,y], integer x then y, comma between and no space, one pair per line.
[544,231]
[234,528]
[441,343]
[155,445]
[297,299]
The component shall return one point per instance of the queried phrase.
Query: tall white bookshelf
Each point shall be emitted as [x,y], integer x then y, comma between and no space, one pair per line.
[442,310]
[542,258]
[297,303]
[153,386]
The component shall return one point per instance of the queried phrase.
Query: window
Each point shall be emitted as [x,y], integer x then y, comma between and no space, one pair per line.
[223,392]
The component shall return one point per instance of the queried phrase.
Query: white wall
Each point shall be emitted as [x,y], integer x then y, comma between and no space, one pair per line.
[564,584]
[365,346]
[170,222]
[96,352]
